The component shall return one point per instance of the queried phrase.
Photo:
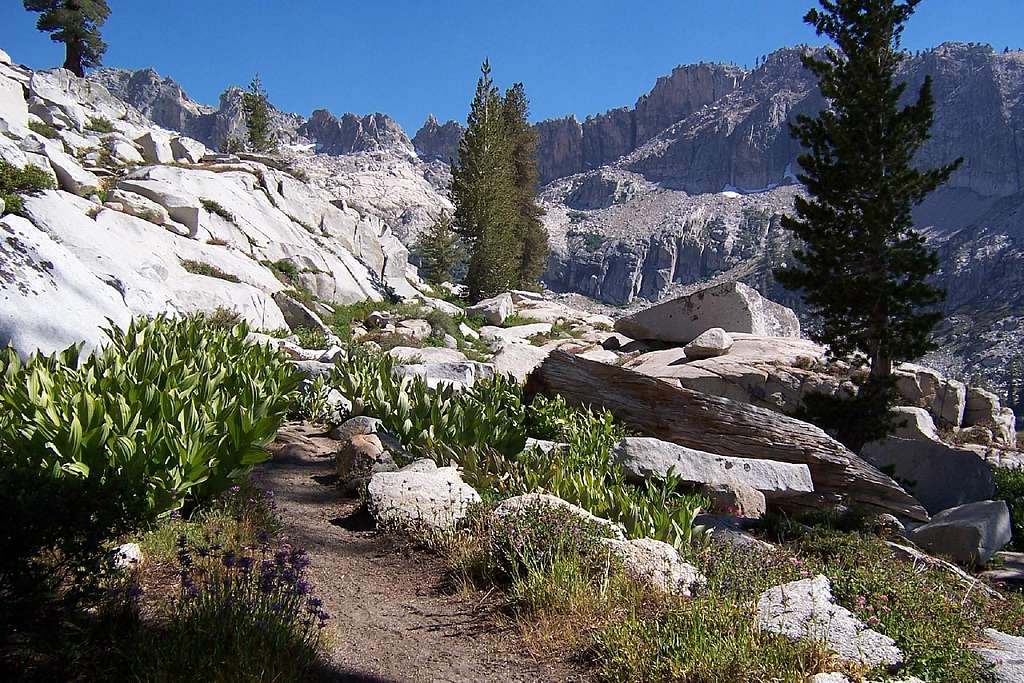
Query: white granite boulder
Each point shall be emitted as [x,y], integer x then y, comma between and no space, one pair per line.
[709,344]
[495,310]
[968,534]
[420,494]
[657,564]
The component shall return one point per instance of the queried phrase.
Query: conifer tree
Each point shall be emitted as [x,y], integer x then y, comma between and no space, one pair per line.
[439,250]
[862,267]
[531,232]
[76,23]
[482,191]
[256,106]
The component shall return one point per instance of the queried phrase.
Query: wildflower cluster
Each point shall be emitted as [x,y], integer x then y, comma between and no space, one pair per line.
[257,595]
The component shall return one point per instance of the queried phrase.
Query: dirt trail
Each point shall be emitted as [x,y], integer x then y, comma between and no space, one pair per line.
[391,617]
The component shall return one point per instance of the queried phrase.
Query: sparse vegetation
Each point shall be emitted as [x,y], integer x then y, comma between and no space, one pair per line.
[44,129]
[207,269]
[214,207]
[15,182]
[1010,487]
[100,124]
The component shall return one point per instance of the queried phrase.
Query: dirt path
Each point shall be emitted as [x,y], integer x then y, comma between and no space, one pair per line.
[391,617]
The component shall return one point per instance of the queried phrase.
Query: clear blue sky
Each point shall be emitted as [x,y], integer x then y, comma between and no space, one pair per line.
[408,58]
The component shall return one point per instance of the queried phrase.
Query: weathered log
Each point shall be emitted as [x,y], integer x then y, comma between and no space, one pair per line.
[723,426]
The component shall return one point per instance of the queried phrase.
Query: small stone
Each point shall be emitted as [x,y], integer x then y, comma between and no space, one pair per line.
[127,556]
[710,344]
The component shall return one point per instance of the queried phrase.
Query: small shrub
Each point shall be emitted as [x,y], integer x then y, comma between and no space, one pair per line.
[207,269]
[214,207]
[217,242]
[1010,487]
[99,124]
[222,318]
[309,338]
[44,129]
[15,182]
[312,402]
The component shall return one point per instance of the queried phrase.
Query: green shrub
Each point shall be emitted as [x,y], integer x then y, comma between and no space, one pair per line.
[311,402]
[175,408]
[99,124]
[15,182]
[222,318]
[44,129]
[1010,487]
[214,207]
[207,269]
[483,429]
[310,338]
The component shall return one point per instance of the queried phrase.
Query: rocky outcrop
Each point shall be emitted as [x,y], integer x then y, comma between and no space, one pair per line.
[559,148]
[351,133]
[437,142]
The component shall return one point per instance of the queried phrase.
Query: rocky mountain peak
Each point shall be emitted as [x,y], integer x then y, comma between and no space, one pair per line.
[437,142]
[351,133]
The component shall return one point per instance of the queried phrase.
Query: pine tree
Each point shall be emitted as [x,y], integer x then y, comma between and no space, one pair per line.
[530,230]
[439,250]
[76,23]
[483,192]
[863,268]
[256,106]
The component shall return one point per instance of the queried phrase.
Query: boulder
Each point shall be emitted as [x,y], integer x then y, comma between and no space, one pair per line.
[528,501]
[950,403]
[657,564]
[1005,653]
[180,207]
[70,174]
[297,314]
[156,147]
[732,306]
[968,534]
[710,344]
[127,556]
[13,107]
[982,407]
[459,375]
[414,329]
[495,310]
[805,610]
[124,151]
[914,423]
[600,355]
[420,494]
[736,499]
[361,424]
[427,354]
[139,206]
[644,458]
[615,341]
[359,458]
[519,333]
[1005,430]
[518,360]
[188,150]
[927,469]
[468,332]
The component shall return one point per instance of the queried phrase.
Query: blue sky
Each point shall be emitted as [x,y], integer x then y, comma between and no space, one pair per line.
[408,58]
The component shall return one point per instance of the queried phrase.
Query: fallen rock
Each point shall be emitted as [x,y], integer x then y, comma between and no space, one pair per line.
[913,423]
[710,344]
[359,458]
[518,360]
[657,564]
[139,206]
[156,147]
[518,504]
[495,310]
[420,494]
[982,407]
[13,108]
[736,499]
[1006,655]
[644,458]
[187,149]
[805,610]
[968,534]
[459,375]
[124,151]
[70,174]
[950,403]
[732,306]
[927,469]
[361,424]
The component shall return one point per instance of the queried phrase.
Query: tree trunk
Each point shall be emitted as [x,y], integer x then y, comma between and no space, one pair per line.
[73,58]
[725,427]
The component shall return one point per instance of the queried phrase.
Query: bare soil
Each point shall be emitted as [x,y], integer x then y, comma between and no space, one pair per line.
[394,617]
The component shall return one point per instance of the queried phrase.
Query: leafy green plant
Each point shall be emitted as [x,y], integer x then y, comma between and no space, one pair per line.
[44,129]
[310,338]
[483,429]
[215,207]
[1010,487]
[15,182]
[207,269]
[99,124]
[312,402]
[174,407]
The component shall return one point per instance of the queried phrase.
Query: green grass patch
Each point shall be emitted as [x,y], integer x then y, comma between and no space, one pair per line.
[215,207]
[44,129]
[99,124]
[207,269]
[16,182]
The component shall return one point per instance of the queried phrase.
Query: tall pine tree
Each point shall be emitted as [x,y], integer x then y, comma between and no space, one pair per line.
[256,106]
[76,23]
[862,267]
[483,192]
[531,231]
